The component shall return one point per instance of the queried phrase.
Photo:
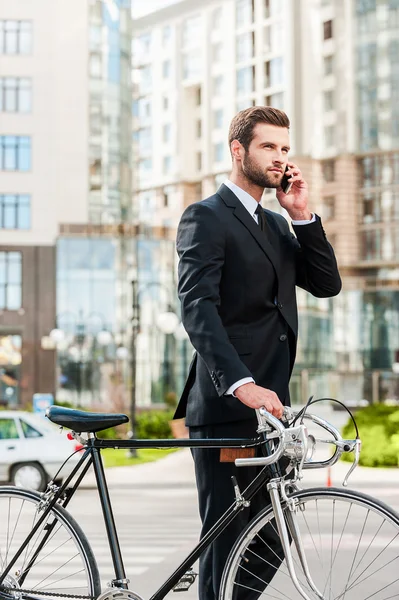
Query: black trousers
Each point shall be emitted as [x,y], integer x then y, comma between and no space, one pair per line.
[215,496]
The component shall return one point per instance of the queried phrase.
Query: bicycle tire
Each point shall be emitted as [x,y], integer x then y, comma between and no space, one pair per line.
[65,564]
[348,578]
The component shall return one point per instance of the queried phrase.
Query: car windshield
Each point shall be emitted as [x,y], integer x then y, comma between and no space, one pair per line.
[41,423]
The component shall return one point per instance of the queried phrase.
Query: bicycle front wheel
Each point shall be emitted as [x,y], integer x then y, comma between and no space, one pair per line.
[350,542]
[57,560]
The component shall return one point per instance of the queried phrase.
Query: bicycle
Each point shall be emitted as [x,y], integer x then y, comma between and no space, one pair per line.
[45,554]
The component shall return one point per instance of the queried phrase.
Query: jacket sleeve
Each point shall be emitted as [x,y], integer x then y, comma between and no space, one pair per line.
[316,265]
[200,245]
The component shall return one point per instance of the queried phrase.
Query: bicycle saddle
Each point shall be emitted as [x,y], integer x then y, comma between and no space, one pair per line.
[84,422]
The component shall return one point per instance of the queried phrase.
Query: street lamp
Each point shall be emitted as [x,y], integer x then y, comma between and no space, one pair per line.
[104,337]
[167,322]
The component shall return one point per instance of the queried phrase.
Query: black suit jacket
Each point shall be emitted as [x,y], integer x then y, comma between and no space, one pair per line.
[237,293]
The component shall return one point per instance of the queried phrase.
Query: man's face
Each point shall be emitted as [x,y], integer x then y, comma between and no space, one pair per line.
[264,162]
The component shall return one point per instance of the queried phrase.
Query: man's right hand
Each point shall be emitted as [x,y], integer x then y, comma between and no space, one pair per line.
[256,396]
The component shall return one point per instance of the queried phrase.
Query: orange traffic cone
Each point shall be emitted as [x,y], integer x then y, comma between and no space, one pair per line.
[329,483]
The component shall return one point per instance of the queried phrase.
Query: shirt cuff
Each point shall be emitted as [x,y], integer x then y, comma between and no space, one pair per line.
[232,388]
[306,222]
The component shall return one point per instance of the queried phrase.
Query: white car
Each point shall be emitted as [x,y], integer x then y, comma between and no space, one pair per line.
[32,450]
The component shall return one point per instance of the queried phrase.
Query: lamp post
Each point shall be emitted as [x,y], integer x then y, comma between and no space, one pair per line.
[103,337]
[167,322]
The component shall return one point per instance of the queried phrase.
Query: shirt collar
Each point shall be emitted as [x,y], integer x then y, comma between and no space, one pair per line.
[246,199]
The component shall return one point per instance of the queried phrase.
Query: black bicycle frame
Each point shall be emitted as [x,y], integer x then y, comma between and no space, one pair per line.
[92,456]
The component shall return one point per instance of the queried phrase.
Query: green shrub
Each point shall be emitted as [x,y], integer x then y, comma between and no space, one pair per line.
[154,424]
[379,431]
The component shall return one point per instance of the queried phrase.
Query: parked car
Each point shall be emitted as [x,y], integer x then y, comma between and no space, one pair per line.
[32,450]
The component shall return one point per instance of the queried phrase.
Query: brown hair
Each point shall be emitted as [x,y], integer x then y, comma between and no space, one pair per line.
[243,124]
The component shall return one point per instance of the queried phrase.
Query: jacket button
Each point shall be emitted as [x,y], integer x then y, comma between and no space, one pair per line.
[283,337]
[279,305]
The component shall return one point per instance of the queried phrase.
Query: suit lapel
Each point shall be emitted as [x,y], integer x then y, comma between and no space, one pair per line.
[262,238]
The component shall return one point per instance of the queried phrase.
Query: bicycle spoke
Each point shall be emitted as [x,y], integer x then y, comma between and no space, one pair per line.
[356,582]
[382,589]
[354,558]
[267,585]
[55,571]
[247,587]
[63,578]
[339,543]
[368,547]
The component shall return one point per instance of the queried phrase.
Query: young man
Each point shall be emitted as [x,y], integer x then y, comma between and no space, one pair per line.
[239,265]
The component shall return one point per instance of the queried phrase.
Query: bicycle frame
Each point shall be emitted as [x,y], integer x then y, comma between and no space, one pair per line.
[92,457]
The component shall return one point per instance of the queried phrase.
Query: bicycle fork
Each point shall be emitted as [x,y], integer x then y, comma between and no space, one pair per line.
[284,533]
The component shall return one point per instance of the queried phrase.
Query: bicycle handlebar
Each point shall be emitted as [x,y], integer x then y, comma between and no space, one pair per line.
[294,442]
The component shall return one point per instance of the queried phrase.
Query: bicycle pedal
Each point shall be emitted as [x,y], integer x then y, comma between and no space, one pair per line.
[186,581]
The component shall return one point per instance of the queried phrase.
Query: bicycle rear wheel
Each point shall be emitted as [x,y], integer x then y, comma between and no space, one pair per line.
[58,559]
[351,544]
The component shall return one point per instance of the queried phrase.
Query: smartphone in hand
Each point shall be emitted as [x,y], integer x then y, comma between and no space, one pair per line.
[285,183]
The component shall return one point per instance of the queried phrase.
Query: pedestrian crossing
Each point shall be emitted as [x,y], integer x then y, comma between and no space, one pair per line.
[157,528]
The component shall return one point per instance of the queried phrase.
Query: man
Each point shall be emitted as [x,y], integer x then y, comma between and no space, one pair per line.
[239,265]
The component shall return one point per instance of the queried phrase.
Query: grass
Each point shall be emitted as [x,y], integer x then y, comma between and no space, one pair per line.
[121,458]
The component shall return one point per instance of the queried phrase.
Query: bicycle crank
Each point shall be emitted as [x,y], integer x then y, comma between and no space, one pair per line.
[113,593]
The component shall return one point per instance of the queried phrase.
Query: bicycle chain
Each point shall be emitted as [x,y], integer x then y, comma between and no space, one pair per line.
[11,591]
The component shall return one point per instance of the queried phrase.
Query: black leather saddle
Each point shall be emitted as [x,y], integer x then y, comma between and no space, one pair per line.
[83,422]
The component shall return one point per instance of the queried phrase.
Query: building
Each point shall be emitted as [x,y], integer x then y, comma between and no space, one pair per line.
[65,186]
[333,67]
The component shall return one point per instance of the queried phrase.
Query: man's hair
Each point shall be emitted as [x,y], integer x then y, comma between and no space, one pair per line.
[243,124]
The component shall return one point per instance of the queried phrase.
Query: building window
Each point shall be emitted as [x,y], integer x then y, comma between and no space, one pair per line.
[199,128]
[216,19]
[328,208]
[329,136]
[218,119]
[165,103]
[272,8]
[191,65]
[10,280]
[245,44]
[198,98]
[15,37]
[328,168]
[166,134]
[245,10]
[328,65]
[191,31]
[14,211]
[167,164]
[15,94]
[166,69]
[245,80]
[145,79]
[145,140]
[218,152]
[15,151]
[218,85]
[166,35]
[327,30]
[328,100]
[95,65]
[275,100]
[199,161]
[274,72]
[217,52]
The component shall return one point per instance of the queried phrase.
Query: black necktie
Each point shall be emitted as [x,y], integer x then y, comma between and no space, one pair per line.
[261,217]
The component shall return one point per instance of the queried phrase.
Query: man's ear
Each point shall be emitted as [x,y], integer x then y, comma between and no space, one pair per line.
[237,150]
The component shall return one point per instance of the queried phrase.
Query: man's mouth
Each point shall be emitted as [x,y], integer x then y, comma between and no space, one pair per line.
[275,170]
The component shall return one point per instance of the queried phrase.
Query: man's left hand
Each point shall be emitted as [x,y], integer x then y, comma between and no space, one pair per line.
[296,201]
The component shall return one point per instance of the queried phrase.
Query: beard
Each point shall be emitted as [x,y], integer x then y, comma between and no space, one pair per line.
[258,176]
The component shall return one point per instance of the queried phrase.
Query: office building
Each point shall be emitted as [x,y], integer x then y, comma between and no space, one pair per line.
[333,67]
[65,186]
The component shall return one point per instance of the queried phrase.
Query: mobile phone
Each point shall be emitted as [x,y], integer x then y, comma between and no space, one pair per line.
[285,183]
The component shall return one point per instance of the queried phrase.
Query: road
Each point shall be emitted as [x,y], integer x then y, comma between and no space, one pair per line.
[156,514]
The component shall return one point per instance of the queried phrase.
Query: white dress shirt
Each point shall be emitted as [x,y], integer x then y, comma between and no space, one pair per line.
[251,205]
